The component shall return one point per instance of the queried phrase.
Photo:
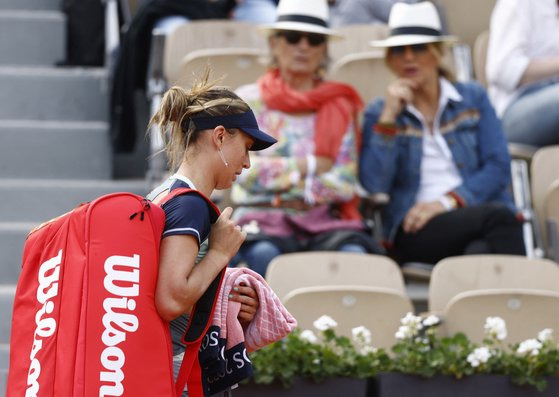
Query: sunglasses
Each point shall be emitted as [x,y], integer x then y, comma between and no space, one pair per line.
[401,49]
[293,37]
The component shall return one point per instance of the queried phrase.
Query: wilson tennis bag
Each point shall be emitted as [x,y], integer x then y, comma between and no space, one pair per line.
[84,319]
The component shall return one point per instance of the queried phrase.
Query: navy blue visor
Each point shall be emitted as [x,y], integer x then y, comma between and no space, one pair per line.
[243,121]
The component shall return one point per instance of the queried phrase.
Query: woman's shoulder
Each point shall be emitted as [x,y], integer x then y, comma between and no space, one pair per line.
[472,92]
[192,202]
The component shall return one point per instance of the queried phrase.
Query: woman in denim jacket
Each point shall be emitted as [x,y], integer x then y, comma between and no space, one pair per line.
[438,150]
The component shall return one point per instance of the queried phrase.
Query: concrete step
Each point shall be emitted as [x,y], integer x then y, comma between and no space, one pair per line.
[12,238]
[7,293]
[32,37]
[3,381]
[4,357]
[53,149]
[33,202]
[30,5]
[61,94]
[38,200]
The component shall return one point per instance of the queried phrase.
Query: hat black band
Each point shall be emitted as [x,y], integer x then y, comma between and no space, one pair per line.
[302,18]
[415,30]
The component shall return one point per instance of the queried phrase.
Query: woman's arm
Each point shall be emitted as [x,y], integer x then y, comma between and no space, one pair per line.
[493,173]
[180,284]
[379,154]
[540,69]
[507,59]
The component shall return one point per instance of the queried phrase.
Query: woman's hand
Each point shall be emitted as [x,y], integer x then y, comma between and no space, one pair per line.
[226,236]
[398,94]
[248,298]
[421,213]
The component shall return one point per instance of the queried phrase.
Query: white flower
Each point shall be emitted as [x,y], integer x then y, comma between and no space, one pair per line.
[412,321]
[325,322]
[479,356]
[309,336]
[361,335]
[367,349]
[410,326]
[251,227]
[530,346]
[496,327]
[431,320]
[545,335]
[316,361]
[405,332]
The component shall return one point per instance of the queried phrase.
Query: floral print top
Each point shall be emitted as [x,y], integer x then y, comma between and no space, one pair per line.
[273,170]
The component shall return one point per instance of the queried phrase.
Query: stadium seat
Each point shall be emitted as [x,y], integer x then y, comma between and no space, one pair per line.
[233,66]
[365,71]
[288,272]
[525,311]
[544,171]
[206,34]
[480,57]
[465,23]
[378,309]
[551,218]
[454,275]
[355,39]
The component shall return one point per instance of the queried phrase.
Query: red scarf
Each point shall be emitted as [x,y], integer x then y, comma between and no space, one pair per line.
[336,105]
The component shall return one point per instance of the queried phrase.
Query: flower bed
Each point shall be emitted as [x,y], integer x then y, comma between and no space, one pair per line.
[419,354]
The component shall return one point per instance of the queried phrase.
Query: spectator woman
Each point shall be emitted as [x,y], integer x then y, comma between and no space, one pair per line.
[437,149]
[299,194]
[523,69]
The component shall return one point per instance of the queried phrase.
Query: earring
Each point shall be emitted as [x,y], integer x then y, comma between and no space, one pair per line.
[223,158]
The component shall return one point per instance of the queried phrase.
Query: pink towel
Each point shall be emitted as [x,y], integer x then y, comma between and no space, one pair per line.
[223,353]
[271,323]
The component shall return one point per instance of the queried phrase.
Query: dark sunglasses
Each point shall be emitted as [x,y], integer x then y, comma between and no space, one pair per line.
[401,49]
[293,37]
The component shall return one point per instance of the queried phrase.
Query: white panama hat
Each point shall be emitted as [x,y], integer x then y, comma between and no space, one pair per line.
[304,16]
[415,23]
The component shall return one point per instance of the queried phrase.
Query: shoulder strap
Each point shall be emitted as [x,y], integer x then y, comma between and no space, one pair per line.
[164,196]
[201,316]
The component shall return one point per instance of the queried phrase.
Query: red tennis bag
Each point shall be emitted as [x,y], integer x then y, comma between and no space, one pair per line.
[84,320]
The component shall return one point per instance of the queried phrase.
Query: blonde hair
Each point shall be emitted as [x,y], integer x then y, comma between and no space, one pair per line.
[439,50]
[179,105]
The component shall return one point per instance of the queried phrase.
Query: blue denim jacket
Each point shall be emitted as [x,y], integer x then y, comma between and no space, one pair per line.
[391,163]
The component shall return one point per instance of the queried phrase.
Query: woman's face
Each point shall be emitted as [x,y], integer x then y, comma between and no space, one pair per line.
[416,62]
[235,151]
[298,53]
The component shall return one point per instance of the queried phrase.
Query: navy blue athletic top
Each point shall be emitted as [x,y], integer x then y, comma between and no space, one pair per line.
[187,214]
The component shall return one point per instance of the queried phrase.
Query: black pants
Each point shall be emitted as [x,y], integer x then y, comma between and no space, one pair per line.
[449,234]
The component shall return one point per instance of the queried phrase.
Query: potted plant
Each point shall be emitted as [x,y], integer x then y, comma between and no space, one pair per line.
[320,362]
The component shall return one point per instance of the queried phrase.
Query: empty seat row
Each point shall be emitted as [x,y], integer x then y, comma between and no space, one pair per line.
[368,290]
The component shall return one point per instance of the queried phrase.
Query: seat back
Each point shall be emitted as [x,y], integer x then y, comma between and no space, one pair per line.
[464,23]
[233,66]
[526,312]
[454,275]
[205,34]
[551,215]
[356,38]
[365,71]
[377,309]
[544,170]
[480,56]
[288,272]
